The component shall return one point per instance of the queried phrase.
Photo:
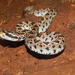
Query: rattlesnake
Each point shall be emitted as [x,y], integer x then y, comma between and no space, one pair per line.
[34,33]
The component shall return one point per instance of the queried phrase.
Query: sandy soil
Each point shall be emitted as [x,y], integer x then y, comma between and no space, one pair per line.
[15,59]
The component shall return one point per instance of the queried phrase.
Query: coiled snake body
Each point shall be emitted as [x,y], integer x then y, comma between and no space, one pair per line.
[34,34]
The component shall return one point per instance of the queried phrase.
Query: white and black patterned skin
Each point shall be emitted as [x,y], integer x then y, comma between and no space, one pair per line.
[34,34]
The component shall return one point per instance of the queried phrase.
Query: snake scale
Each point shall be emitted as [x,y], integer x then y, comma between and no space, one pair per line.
[34,33]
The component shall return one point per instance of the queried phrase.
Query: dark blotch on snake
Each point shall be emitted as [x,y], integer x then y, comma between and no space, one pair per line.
[42,18]
[38,12]
[46,39]
[50,17]
[19,28]
[20,23]
[40,21]
[43,26]
[4,31]
[63,41]
[9,31]
[51,13]
[53,46]
[30,47]
[47,33]
[31,32]
[32,23]
[46,24]
[47,48]
[56,41]
[11,36]
[26,22]
[36,40]
[59,46]
[35,46]
[46,18]
[54,51]
[52,38]
[56,33]
[31,36]
[30,42]
[40,45]
[42,29]
[47,14]
[61,36]
[35,26]
[52,10]
[41,50]
[46,43]
[54,13]
[17,25]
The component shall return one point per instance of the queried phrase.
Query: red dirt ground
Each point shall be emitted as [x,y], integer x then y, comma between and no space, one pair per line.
[14,57]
